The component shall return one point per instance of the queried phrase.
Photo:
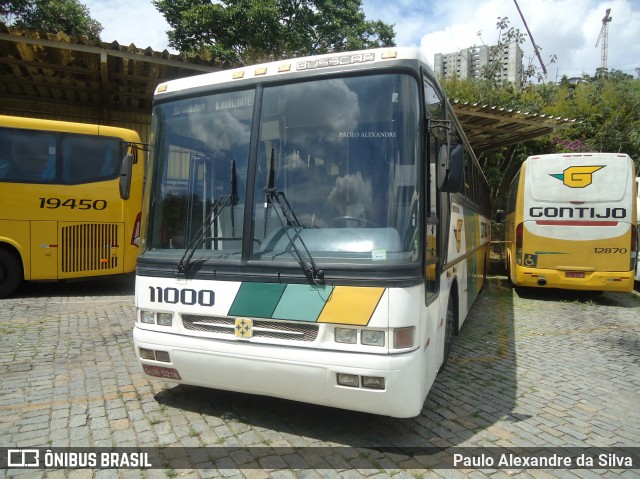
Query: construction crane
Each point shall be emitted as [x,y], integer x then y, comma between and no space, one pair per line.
[536,50]
[604,35]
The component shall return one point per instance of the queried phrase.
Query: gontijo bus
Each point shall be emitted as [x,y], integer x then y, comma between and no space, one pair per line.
[571,222]
[70,200]
[316,230]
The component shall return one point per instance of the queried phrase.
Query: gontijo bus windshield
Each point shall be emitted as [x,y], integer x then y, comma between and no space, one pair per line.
[70,200]
[316,230]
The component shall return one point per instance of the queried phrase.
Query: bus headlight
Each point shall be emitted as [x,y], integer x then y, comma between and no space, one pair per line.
[147,354]
[151,317]
[372,382]
[372,338]
[350,380]
[164,319]
[344,335]
[147,317]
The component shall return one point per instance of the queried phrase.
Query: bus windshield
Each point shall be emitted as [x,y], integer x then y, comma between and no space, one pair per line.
[32,157]
[339,154]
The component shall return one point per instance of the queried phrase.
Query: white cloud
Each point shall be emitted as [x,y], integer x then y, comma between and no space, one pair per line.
[566,28]
[127,21]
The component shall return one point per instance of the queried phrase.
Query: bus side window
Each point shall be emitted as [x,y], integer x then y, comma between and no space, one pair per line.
[8,165]
[89,159]
[49,172]
[26,155]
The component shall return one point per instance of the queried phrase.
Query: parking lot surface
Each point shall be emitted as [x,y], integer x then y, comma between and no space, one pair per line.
[530,369]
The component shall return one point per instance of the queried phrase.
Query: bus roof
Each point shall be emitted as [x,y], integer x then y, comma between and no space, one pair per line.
[69,127]
[295,65]
[568,156]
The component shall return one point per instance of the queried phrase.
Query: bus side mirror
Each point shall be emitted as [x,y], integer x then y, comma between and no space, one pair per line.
[451,169]
[125,176]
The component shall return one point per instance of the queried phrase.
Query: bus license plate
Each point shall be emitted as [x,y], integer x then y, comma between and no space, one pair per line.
[574,274]
[161,371]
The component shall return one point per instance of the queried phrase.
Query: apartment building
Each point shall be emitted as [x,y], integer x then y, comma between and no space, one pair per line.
[468,63]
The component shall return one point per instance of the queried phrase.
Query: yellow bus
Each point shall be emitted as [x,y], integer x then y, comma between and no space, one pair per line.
[70,200]
[571,222]
[315,229]
[637,277]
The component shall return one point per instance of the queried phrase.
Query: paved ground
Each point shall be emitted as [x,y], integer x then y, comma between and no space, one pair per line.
[528,369]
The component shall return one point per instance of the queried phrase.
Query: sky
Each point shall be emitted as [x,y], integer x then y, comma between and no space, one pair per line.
[567,29]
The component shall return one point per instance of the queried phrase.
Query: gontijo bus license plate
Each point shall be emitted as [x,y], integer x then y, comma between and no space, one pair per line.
[574,274]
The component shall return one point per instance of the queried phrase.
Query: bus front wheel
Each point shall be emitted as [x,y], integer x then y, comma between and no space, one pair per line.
[10,273]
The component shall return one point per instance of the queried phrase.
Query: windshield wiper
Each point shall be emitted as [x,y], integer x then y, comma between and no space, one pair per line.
[217,207]
[289,220]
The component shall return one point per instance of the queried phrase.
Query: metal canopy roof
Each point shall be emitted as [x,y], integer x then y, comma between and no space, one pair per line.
[54,71]
[76,71]
[490,127]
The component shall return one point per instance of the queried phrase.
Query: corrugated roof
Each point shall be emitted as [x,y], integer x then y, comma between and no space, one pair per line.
[490,127]
[60,69]
[64,71]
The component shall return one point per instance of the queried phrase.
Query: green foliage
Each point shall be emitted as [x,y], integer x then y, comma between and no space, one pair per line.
[68,16]
[12,8]
[241,32]
[507,36]
[606,109]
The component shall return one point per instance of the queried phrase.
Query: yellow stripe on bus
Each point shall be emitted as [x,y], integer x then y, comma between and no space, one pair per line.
[351,305]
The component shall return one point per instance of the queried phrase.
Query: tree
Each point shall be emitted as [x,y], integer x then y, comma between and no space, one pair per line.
[606,107]
[68,16]
[240,32]
[12,8]
[490,74]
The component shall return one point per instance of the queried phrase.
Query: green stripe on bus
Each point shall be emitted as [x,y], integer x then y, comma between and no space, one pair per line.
[257,300]
[302,302]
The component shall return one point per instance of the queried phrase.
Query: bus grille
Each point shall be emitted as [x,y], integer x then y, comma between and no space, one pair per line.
[261,329]
[88,247]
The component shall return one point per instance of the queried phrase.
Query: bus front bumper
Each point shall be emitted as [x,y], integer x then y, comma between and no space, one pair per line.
[307,375]
[621,281]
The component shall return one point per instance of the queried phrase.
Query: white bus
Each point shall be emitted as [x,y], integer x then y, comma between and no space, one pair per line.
[571,222]
[315,229]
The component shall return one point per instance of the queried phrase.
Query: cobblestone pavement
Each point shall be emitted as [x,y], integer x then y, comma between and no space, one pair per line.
[528,369]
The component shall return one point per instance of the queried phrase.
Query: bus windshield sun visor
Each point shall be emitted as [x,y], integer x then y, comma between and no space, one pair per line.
[217,207]
[289,222]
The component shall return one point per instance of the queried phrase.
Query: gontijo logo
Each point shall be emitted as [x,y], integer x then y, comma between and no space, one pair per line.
[577,176]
